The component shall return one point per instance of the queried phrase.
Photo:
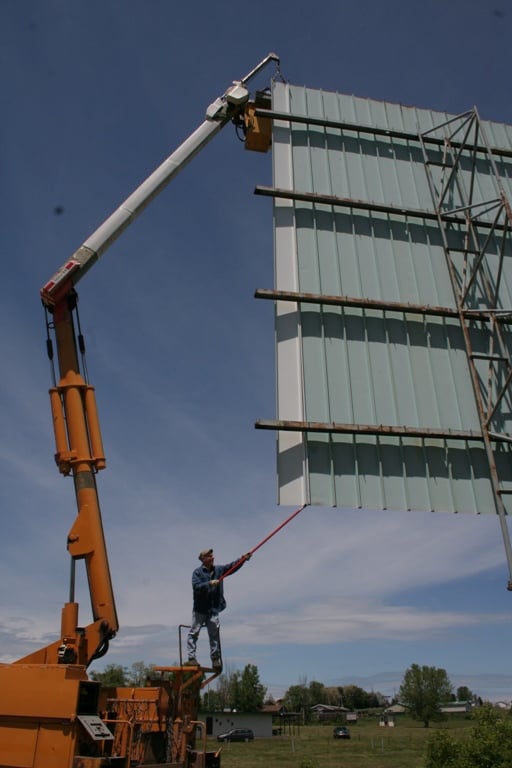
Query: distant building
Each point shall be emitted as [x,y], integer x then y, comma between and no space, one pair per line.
[456,707]
[324,712]
[220,722]
[395,709]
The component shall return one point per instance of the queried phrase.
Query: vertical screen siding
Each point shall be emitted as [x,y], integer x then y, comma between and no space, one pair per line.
[367,366]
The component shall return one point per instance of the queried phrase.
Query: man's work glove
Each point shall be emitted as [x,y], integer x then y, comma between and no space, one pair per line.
[214,583]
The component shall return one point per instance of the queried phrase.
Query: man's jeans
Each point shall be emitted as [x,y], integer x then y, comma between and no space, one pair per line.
[212,624]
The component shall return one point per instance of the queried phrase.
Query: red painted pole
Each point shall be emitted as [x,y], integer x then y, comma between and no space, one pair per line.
[263,541]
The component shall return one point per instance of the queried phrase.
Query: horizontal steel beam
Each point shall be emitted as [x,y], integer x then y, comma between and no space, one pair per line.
[350,301]
[347,202]
[388,132]
[371,429]
[366,205]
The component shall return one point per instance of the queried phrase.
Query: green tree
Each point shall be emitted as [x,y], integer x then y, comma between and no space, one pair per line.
[464,694]
[251,691]
[120,677]
[442,751]
[236,690]
[317,693]
[488,744]
[355,697]
[422,691]
[113,675]
[334,695]
[224,690]
[213,700]
[301,697]
[139,672]
[296,698]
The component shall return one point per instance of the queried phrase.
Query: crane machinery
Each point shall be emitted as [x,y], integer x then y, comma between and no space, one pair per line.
[51,714]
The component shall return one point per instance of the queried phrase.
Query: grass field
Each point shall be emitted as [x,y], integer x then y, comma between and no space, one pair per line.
[370,746]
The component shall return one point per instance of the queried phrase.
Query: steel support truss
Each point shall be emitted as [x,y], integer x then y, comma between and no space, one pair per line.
[475,252]
[475,224]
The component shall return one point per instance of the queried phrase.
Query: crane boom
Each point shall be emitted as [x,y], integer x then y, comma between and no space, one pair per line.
[221,111]
[76,425]
[49,709]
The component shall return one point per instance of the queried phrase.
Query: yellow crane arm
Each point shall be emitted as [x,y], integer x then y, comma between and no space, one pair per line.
[79,449]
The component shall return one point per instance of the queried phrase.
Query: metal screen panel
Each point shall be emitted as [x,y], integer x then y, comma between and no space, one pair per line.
[384,398]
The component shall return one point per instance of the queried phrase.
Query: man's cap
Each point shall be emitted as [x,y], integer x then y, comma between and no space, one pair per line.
[204,553]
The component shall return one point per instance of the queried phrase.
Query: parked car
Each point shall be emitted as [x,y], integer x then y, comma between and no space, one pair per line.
[236,734]
[341,732]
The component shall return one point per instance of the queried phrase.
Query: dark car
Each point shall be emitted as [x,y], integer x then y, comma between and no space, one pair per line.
[236,734]
[341,732]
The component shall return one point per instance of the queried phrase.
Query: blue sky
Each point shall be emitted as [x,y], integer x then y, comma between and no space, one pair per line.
[94,95]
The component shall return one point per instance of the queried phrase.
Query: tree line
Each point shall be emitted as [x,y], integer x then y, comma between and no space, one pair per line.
[241,691]
[488,744]
[422,692]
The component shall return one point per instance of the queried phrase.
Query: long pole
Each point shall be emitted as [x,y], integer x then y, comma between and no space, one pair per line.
[263,541]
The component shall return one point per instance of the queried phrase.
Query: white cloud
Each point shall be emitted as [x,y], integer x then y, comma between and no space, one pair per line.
[346,620]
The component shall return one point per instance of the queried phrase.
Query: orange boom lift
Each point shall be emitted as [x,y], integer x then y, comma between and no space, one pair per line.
[51,714]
